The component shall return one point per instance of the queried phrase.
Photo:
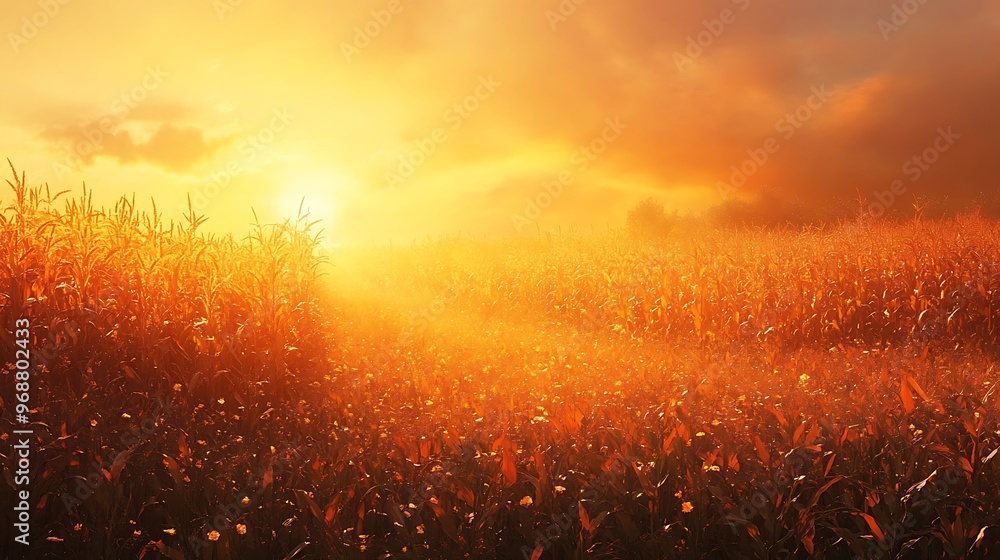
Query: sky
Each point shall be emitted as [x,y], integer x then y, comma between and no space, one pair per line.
[401,119]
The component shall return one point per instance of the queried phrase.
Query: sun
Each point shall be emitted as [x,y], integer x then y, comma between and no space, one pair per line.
[313,195]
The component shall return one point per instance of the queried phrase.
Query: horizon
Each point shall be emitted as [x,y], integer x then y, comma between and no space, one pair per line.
[730,214]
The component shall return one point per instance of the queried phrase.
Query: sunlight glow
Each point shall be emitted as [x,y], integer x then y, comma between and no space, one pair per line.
[318,196]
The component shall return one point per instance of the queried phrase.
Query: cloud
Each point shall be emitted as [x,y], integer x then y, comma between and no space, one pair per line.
[689,127]
[172,148]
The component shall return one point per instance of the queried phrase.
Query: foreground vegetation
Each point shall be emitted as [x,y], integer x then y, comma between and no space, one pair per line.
[704,394]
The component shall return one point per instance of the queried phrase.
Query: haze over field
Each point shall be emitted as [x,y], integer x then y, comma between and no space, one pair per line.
[322,100]
[597,280]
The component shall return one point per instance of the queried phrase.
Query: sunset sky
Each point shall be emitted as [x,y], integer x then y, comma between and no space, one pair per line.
[246,103]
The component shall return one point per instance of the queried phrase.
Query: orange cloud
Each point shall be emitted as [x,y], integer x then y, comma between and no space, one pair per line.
[172,148]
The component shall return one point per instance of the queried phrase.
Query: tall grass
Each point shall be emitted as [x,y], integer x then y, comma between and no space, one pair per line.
[129,312]
[709,394]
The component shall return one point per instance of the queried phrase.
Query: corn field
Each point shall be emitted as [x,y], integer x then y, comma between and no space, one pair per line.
[758,393]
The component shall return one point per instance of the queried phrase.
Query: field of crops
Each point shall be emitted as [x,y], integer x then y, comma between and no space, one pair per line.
[822,393]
